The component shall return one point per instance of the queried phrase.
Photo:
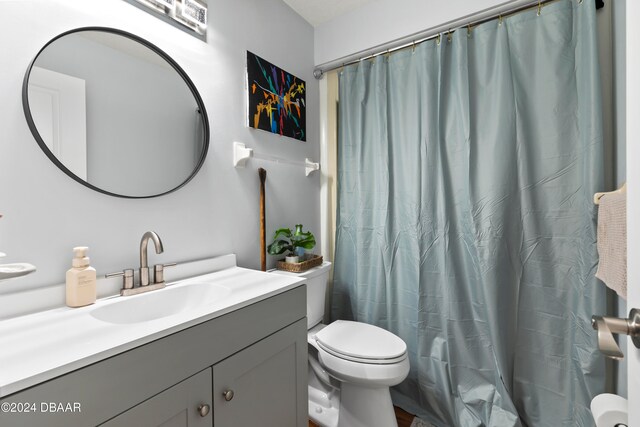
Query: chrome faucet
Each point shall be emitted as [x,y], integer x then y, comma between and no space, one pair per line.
[145,285]
[144,243]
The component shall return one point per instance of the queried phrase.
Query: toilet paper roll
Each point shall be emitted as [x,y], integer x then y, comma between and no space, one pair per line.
[609,410]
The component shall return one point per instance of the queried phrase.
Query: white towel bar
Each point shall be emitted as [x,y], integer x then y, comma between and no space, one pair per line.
[241,154]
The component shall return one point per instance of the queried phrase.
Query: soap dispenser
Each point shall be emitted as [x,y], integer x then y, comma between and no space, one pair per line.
[81,279]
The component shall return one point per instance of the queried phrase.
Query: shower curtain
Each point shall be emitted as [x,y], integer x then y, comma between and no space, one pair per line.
[466,170]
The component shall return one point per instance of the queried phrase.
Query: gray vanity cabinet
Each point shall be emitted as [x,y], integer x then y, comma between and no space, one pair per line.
[259,385]
[186,404]
[249,366]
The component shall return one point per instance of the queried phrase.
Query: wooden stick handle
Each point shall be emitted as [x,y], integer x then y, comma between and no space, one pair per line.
[263,232]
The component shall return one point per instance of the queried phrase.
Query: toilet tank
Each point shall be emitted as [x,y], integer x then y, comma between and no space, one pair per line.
[316,281]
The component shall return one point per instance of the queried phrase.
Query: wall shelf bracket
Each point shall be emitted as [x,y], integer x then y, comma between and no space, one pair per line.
[241,154]
[310,166]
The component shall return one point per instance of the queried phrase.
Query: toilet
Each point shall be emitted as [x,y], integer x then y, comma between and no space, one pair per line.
[351,364]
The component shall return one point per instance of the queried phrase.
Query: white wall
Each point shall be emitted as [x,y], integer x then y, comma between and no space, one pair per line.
[46,213]
[633,201]
[383,21]
[620,152]
[611,45]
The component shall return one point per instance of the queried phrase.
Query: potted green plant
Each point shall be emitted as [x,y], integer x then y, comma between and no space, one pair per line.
[285,240]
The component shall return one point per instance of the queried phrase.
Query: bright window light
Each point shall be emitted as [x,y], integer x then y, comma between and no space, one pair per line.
[191,14]
[194,12]
[171,4]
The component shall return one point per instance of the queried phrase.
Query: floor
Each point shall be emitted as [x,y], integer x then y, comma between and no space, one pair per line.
[404,419]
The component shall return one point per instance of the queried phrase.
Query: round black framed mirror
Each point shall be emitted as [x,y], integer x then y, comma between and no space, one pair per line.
[116,113]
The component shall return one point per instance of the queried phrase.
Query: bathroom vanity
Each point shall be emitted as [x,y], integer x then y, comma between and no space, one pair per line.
[233,357]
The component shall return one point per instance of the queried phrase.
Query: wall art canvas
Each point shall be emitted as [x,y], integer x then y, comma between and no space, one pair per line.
[276,99]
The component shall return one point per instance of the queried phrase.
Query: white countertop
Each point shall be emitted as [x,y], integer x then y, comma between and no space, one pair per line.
[41,346]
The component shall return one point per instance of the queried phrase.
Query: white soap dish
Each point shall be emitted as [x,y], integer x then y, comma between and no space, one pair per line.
[11,271]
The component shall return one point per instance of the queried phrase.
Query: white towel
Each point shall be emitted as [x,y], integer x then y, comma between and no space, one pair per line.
[612,242]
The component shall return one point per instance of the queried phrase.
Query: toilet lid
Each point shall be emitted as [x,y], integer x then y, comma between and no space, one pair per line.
[357,340]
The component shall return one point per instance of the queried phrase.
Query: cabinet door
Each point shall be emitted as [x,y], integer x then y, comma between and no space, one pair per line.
[265,384]
[179,406]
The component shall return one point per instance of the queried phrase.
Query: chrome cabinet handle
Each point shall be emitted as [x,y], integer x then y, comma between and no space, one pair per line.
[228,395]
[204,409]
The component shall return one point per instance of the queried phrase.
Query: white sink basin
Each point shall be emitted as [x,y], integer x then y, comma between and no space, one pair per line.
[10,271]
[160,303]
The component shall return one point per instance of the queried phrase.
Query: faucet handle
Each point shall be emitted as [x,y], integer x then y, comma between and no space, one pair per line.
[127,277]
[158,270]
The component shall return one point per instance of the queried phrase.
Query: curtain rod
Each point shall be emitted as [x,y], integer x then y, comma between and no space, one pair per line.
[471,20]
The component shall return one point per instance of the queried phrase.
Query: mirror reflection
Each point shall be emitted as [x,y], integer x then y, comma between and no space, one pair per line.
[116,113]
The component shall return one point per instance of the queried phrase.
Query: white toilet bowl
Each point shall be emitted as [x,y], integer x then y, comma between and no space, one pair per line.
[365,361]
[351,365]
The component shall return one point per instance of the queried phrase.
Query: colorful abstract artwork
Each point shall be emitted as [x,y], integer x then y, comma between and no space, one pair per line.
[276,99]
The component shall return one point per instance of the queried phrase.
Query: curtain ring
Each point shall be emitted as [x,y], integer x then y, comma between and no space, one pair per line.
[438,40]
[499,20]
[413,47]
[539,7]
[449,35]
[468,30]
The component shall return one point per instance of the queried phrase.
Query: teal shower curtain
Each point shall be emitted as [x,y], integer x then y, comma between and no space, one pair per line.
[466,170]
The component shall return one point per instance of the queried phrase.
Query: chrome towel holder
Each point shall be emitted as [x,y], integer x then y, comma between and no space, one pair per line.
[607,326]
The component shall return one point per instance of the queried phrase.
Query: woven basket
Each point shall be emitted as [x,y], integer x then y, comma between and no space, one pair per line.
[310,261]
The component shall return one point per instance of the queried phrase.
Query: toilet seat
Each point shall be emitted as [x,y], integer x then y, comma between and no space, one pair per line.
[365,374]
[361,343]
[362,359]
